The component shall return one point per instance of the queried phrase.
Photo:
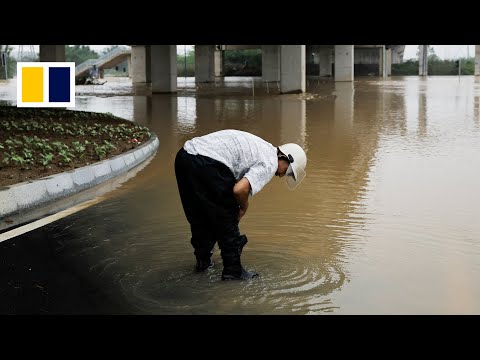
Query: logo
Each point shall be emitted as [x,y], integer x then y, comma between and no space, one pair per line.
[45,84]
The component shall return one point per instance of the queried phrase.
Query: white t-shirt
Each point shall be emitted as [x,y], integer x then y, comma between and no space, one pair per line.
[245,154]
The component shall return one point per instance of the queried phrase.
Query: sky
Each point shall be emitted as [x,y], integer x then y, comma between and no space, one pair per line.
[442,51]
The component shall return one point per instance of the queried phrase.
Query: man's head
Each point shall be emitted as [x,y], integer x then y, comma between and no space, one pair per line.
[292,161]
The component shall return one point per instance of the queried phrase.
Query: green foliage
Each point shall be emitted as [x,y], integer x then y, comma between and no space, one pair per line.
[409,67]
[46,159]
[190,60]
[253,56]
[236,62]
[243,62]
[436,66]
[32,142]
[11,62]
[79,53]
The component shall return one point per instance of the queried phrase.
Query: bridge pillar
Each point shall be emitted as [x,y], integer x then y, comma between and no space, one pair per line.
[477,60]
[344,63]
[325,62]
[164,68]
[140,61]
[218,62]
[389,62]
[52,53]
[271,62]
[382,62]
[129,65]
[205,63]
[292,69]
[423,60]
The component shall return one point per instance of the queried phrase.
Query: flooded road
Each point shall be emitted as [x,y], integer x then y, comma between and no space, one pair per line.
[385,221]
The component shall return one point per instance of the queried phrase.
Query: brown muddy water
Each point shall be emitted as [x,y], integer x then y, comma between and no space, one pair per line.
[386,221]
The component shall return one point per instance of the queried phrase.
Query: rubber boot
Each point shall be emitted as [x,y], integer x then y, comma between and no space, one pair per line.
[244,275]
[203,256]
[203,265]
[232,267]
[203,261]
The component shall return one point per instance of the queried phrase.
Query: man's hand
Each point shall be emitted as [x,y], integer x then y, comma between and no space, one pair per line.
[241,190]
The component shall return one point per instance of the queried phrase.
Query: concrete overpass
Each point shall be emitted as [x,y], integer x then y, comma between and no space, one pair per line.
[155,66]
[106,61]
[285,64]
[397,50]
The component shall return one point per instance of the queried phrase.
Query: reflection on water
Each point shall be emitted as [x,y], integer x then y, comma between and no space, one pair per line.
[384,222]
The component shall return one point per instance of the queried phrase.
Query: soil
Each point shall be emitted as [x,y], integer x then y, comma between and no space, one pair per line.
[14,126]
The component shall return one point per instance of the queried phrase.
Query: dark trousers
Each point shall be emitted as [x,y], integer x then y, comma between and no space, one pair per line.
[206,191]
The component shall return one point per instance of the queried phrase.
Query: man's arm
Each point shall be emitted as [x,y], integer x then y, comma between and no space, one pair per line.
[241,190]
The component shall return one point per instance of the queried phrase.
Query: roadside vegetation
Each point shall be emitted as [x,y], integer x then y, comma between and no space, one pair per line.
[39,142]
[236,63]
[437,66]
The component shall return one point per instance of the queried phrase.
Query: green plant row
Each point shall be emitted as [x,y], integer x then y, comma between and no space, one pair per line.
[75,129]
[27,151]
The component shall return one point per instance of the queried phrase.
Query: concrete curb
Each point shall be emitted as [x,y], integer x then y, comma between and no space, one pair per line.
[18,199]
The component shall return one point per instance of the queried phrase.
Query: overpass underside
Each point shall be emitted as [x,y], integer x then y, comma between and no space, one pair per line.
[287,65]
[154,67]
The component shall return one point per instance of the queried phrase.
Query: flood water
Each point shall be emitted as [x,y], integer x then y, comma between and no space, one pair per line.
[385,222]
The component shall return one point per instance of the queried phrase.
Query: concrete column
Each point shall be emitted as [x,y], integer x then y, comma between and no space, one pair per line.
[52,53]
[423,60]
[292,69]
[204,63]
[477,60]
[141,64]
[383,62]
[343,62]
[218,63]
[389,62]
[271,62]
[325,62]
[380,61]
[164,68]
[129,66]
[223,62]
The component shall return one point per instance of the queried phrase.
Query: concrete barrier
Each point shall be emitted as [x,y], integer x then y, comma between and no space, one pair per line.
[22,203]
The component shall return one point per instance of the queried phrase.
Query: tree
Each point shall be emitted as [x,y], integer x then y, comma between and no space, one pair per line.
[190,68]
[79,53]
[11,62]
[110,48]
